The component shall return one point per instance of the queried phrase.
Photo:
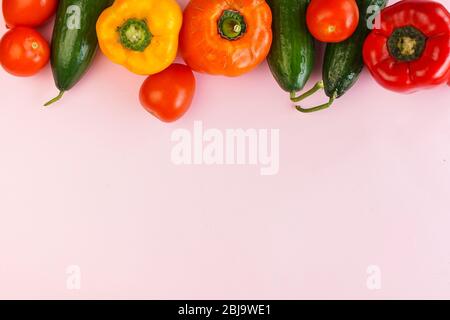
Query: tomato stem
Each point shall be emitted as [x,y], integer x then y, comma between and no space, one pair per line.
[55,99]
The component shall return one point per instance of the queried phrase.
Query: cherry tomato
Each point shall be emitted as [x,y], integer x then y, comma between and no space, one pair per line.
[28,13]
[332,21]
[23,52]
[168,94]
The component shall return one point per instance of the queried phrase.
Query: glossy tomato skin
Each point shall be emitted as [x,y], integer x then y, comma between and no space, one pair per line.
[168,94]
[332,21]
[23,52]
[28,13]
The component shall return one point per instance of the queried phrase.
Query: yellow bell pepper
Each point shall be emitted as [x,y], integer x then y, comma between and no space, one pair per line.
[141,35]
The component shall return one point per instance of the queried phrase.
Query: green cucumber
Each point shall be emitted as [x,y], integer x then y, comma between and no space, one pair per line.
[74,41]
[291,57]
[343,61]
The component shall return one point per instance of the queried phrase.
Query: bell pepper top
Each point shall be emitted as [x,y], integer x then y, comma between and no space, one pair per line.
[231,25]
[135,35]
[407,43]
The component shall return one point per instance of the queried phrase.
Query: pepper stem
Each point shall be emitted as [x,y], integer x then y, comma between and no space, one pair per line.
[135,35]
[406,43]
[318,86]
[231,25]
[55,99]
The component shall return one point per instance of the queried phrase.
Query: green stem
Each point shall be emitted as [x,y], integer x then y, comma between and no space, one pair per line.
[318,108]
[231,25]
[135,35]
[318,86]
[55,99]
[407,44]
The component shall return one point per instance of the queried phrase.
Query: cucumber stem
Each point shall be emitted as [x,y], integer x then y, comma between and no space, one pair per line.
[55,99]
[318,86]
[318,108]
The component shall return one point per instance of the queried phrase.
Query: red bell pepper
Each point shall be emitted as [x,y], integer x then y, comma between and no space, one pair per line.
[411,49]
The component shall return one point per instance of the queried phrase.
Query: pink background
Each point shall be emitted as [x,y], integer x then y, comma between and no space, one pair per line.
[89,182]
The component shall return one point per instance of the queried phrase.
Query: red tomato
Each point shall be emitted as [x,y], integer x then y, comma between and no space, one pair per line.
[332,21]
[28,13]
[23,52]
[168,94]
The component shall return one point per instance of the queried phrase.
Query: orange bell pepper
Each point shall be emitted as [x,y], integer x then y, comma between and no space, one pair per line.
[226,37]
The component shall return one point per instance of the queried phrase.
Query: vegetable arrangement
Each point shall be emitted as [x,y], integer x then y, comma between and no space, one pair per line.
[406,46]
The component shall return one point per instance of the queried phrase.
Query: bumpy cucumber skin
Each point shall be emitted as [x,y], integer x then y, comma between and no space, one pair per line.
[73,50]
[291,58]
[343,61]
